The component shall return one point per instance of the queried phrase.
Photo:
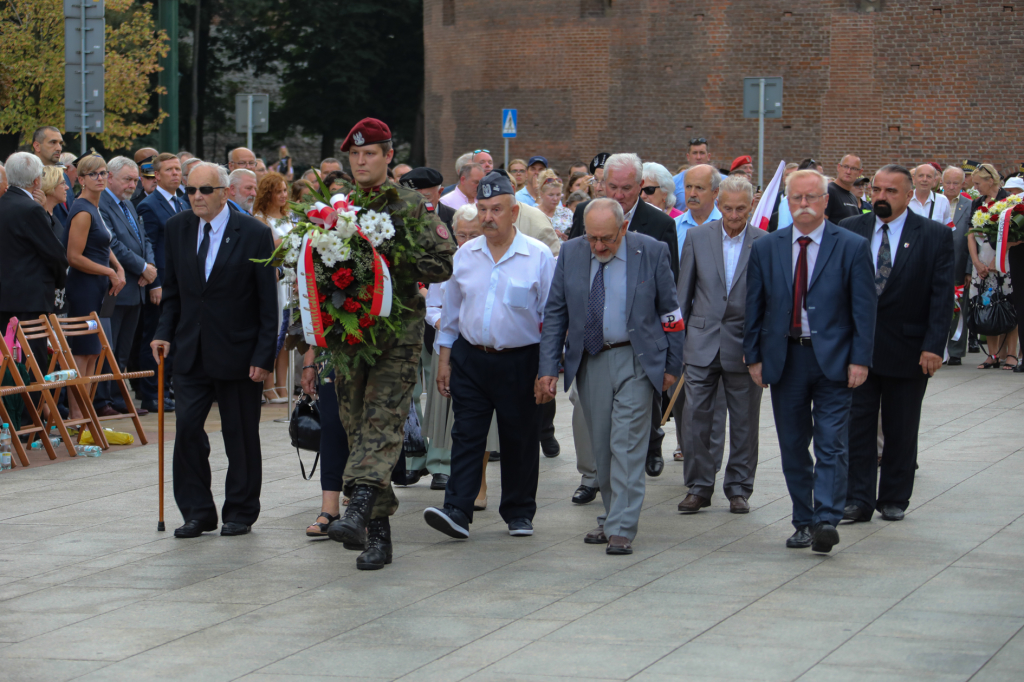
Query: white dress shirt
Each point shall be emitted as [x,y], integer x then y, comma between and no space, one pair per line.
[812,257]
[732,247]
[499,305]
[435,302]
[630,213]
[895,230]
[217,226]
[455,199]
[170,199]
[940,213]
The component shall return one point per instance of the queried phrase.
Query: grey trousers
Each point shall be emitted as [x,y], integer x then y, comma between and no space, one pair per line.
[120,331]
[616,397]
[437,460]
[683,426]
[958,348]
[742,397]
[581,439]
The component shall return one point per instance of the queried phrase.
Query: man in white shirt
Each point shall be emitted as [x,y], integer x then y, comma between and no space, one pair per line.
[464,192]
[489,352]
[926,202]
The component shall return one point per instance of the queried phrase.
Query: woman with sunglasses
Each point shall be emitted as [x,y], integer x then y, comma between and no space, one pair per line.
[549,195]
[659,189]
[94,270]
[983,255]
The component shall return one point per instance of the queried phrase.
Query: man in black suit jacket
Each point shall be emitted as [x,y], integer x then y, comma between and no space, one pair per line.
[33,262]
[220,309]
[913,259]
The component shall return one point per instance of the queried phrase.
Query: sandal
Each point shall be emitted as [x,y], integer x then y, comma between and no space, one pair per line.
[1008,367]
[678,455]
[321,531]
[990,365]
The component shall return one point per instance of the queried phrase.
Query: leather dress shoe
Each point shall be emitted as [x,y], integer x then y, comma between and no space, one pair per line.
[142,412]
[692,504]
[618,545]
[193,529]
[852,512]
[972,345]
[107,411]
[1019,368]
[824,537]
[596,537]
[738,504]
[891,512]
[232,528]
[800,539]
[954,362]
[494,456]
[439,482]
[584,494]
[550,447]
[412,477]
[655,464]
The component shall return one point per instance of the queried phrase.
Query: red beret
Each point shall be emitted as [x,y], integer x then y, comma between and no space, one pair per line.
[739,161]
[367,131]
[936,166]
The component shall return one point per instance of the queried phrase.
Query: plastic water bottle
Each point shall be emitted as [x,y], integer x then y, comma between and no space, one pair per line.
[5,448]
[62,375]
[55,436]
[88,450]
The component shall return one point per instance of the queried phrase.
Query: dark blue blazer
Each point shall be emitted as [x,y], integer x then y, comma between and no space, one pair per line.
[133,252]
[155,211]
[841,303]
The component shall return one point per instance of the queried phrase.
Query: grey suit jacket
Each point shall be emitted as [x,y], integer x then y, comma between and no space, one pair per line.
[133,252]
[961,224]
[714,320]
[650,294]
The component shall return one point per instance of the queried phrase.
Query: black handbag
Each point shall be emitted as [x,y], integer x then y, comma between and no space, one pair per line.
[996,317]
[304,430]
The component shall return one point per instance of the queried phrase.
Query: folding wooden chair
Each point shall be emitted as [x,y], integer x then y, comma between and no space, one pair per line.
[65,327]
[46,390]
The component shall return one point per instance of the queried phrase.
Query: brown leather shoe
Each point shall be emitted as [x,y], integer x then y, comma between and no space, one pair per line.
[596,537]
[107,411]
[738,504]
[618,545]
[692,504]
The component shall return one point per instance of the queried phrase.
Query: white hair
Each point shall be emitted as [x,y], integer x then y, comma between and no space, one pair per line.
[239,174]
[462,161]
[115,165]
[737,183]
[23,169]
[608,204]
[222,172]
[805,173]
[188,162]
[958,170]
[630,161]
[67,159]
[659,174]
[466,212]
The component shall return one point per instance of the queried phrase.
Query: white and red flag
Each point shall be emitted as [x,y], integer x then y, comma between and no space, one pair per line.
[763,213]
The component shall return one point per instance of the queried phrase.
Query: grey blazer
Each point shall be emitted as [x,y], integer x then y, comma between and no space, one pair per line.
[650,294]
[714,320]
[132,252]
[961,224]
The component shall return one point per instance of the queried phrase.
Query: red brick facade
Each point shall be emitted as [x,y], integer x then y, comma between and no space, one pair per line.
[915,81]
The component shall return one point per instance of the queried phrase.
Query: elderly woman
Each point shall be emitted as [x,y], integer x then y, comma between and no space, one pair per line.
[1003,347]
[659,189]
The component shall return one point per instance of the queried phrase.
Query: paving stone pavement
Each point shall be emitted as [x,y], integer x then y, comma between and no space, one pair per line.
[90,591]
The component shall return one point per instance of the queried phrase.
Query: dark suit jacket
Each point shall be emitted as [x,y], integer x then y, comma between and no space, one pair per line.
[132,252]
[962,215]
[139,195]
[155,212]
[33,262]
[230,322]
[646,220]
[840,301]
[916,306]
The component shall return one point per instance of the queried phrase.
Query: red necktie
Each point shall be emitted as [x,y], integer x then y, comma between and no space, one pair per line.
[799,289]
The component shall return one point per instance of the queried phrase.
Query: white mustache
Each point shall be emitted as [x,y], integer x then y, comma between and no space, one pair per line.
[803,211]
[489,226]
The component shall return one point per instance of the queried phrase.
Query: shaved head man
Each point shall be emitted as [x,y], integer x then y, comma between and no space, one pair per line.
[241,158]
[842,200]
[926,202]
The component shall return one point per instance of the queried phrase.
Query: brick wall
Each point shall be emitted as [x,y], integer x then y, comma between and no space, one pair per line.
[917,81]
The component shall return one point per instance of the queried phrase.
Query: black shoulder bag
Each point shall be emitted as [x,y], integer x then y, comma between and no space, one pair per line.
[304,430]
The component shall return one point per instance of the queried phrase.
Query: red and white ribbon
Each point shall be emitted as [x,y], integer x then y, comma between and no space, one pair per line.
[322,214]
[382,294]
[1002,239]
[309,298]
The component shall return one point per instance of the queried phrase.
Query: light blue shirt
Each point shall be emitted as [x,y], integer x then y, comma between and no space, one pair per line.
[895,230]
[238,206]
[686,221]
[216,235]
[523,196]
[614,294]
[680,181]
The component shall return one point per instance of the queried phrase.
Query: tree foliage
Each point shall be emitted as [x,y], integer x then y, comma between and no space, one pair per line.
[32,64]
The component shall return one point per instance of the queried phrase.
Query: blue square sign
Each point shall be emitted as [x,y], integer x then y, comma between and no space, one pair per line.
[508,122]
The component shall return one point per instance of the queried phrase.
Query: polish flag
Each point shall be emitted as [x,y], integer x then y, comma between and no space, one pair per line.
[763,214]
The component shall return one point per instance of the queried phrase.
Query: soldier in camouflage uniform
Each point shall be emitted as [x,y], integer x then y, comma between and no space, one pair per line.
[374,401]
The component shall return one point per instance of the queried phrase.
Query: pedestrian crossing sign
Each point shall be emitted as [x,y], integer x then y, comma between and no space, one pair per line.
[508,122]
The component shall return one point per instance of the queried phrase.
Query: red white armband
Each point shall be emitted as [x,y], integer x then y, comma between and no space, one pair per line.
[673,321]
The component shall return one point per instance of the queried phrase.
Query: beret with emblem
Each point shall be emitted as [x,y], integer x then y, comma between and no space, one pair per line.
[367,131]
[422,178]
[740,161]
[494,184]
[598,162]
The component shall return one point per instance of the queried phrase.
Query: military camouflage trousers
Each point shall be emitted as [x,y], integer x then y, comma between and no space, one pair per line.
[373,405]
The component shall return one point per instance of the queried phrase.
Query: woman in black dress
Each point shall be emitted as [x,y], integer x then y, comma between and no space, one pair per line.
[55,189]
[94,268]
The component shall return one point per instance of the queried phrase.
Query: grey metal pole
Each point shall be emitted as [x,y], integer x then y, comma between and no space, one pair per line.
[506,154]
[248,132]
[760,135]
[84,95]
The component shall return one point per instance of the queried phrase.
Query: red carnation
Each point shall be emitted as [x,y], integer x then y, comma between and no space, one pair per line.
[342,278]
[366,321]
[351,305]
[322,298]
[327,320]
[352,339]
[368,296]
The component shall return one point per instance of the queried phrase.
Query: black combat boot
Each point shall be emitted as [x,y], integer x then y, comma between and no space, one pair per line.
[378,546]
[351,528]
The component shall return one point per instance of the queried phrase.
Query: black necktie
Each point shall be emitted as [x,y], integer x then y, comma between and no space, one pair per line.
[204,248]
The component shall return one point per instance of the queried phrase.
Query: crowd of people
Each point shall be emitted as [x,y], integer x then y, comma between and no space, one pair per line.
[647,290]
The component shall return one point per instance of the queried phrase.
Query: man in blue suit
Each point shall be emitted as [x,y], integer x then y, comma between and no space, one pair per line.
[155,210]
[132,248]
[809,334]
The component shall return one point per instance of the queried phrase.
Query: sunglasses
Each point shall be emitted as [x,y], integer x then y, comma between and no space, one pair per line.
[649,191]
[205,189]
[697,140]
[481,151]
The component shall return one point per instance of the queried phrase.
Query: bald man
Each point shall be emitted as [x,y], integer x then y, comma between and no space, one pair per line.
[926,202]
[241,158]
[842,200]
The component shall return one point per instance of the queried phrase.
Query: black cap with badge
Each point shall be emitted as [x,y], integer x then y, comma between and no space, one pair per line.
[422,178]
[598,162]
[494,184]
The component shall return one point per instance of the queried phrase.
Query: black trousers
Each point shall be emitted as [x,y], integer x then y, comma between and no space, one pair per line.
[333,439]
[120,337]
[900,402]
[1015,257]
[482,384]
[239,404]
[547,420]
[150,319]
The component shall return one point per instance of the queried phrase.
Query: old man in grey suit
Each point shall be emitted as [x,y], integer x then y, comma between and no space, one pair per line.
[712,297]
[960,208]
[612,306]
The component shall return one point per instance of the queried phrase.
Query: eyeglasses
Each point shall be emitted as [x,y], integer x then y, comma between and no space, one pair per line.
[205,189]
[852,169]
[811,198]
[518,171]
[96,174]
[649,191]
[697,140]
[607,241]
[247,164]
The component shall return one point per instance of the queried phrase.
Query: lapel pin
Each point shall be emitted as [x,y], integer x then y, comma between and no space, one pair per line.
[906,245]
[227,240]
